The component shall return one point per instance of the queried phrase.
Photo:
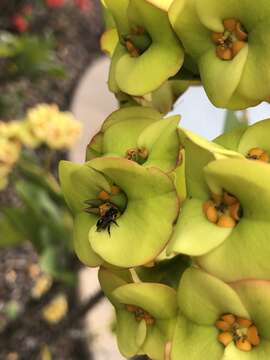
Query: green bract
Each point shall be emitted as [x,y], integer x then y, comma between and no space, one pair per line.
[243,253]
[163,98]
[146,204]
[228,252]
[141,135]
[194,235]
[146,314]
[148,52]
[237,79]
[202,300]
[245,139]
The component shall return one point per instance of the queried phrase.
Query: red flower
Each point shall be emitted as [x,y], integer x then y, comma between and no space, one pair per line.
[19,23]
[55,3]
[83,4]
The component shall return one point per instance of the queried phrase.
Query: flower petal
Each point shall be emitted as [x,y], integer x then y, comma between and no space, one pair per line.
[224,75]
[72,198]
[256,76]
[126,330]
[157,299]
[202,298]
[198,153]
[110,280]
[94,148]
[185,22]
[80,183]
[141,333]
[164,53]
[248,243]
[255,295]
[162,4]
[109,41]
[261,352]
[256,135]
[131,123]
[154,345]
[82,224]
[212,13]
[194,235]
[195,342]
[118,9]
[247,180]
[132,112]
[231,139]
[244,254]
[162,142]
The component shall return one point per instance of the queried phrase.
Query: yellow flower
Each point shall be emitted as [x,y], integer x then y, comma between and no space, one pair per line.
[56,129]
[56,309]
[9,154]
[18,131]
[9,151]
[42,285]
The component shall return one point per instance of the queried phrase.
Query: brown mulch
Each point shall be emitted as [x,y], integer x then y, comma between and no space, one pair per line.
[24,334]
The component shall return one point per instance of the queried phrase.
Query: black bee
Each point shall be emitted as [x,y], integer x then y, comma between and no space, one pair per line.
[109,214]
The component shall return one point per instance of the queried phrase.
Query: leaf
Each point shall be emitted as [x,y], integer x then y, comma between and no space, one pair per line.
[49,262]
[30,55]
[40,177]
[10,235]
[8,44]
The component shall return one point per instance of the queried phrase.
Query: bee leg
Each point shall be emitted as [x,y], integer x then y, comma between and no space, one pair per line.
[115,222]
[109,229]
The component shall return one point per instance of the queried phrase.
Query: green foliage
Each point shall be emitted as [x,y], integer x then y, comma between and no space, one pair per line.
[29,55]
[42,219]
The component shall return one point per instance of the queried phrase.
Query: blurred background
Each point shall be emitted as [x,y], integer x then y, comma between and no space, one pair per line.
[53,99]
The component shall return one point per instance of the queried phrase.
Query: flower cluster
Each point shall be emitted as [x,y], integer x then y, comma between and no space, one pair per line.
[125,199]
[9,154]
[158,48]
[43,125]
[179,225]
[52,127]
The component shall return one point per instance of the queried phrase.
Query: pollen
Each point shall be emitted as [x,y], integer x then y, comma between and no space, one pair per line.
[258,154]
[223,210]
[131,48]
[138,155]
[239,330]
[141,314]
[103,195]
[231,41]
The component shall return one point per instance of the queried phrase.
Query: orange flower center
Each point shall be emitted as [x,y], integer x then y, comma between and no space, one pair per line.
[258,154]
[231,41]
[139,155]
[223,210]
[137,42]
[140,314]
[239,330]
